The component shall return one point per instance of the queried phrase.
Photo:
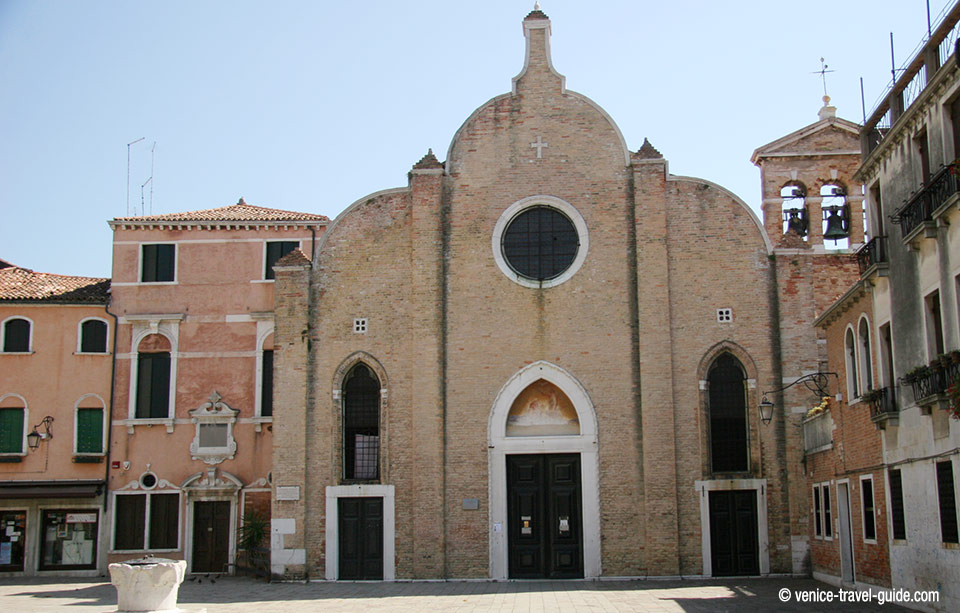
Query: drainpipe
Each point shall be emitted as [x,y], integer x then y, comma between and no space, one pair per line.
[113,378]
[313,242]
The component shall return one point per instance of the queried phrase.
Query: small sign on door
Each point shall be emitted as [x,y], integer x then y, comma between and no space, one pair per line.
[525,527]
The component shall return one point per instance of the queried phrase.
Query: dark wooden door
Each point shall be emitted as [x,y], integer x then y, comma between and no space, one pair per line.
[544,525]
[734,545]
[211,536]
[360,538]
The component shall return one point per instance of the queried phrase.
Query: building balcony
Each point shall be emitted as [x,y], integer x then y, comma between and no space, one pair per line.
[872,258]
[818,433]
[930,383]
[883,406]
[920,211]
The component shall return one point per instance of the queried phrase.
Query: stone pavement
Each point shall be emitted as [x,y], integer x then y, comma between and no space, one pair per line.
[28,594]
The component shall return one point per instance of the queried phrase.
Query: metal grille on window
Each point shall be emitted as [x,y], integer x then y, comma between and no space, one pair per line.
[540,243]
[361,425]
[728,415]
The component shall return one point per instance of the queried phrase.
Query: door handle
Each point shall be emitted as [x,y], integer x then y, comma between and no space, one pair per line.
[526,524]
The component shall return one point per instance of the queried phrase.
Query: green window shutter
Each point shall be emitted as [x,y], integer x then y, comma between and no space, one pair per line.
[11,430]
[90,431]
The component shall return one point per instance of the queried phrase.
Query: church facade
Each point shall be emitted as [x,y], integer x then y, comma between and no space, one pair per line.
[543,357]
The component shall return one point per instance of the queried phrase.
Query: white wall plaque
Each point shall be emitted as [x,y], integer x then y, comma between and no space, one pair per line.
[288,492]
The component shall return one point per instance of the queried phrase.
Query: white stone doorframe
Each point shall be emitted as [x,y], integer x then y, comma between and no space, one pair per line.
[500,446]
[763,542]
[334,492]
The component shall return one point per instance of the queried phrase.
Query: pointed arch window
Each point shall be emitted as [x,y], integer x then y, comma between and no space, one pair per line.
[361,425]
[866,367]
[729,448]
[850,358]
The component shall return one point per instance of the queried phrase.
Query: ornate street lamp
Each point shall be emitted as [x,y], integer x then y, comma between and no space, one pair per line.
[33,439]
[817,382]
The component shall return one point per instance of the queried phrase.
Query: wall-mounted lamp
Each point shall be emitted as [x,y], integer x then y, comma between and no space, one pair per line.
[33,439]
[817,382]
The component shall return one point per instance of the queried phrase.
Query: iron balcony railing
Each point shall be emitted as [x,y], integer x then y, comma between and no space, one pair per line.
[871,254]
[933,380]
[883,403]
[921,205]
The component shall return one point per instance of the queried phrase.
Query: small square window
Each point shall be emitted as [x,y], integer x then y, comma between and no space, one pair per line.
[360,325]
[158,263]
[724,315]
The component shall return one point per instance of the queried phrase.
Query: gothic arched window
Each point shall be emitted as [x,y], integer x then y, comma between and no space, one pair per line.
[361,425]
[728,415]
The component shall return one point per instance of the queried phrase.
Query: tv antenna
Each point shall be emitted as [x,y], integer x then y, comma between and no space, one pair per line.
[128,171]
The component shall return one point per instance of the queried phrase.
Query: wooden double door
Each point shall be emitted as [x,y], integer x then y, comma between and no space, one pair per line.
[734,541]
[211,536]
[544,516]
[360,538]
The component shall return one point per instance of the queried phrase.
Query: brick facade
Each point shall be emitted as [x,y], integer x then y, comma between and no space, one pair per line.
[635,327]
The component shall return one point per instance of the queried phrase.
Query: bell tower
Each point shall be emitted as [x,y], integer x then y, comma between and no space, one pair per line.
[810,199]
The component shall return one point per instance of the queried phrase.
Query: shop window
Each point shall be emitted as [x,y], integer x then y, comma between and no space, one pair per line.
[275,251]
[131,528]
[947,499]
[11,430]
[869,514]
[16,335]
[93,336]
[13,526]
[897,518]
[159,263]
[69,539]
[90,430]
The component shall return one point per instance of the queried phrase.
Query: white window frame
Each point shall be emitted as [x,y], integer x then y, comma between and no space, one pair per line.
[106,348]
[76,425]
[865,357]
[518,207]
[826,512]
[850,363]
[176,261]
[263,255]
[863,509]
[3,335]
[167,326]
[817,504]
[146,518]
[26,424]
[263,333]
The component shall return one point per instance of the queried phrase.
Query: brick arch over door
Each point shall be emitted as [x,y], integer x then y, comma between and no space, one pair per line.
[751,398]
[339,376]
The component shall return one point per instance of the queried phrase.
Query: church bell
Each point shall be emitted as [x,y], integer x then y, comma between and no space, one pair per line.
[796,221]
[838,223]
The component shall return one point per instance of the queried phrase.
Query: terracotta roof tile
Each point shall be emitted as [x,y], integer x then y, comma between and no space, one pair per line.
[241,211]
[294,258]
[21,284]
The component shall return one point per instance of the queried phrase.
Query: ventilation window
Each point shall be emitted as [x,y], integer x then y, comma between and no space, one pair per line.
[360,325]
[148,481]
[724,315]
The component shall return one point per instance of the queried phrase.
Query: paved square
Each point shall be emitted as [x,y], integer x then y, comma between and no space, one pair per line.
[27,594]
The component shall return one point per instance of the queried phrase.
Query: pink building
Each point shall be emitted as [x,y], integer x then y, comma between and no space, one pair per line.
[191,440]
[56,347]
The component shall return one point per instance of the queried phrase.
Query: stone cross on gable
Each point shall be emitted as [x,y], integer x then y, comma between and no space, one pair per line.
[539,145]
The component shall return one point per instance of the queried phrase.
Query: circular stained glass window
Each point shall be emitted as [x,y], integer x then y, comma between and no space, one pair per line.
[540,243]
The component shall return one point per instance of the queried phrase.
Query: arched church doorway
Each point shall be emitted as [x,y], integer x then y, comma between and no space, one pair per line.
[543,478]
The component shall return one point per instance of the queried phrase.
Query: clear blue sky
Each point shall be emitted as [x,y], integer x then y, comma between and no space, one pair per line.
[309,106]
